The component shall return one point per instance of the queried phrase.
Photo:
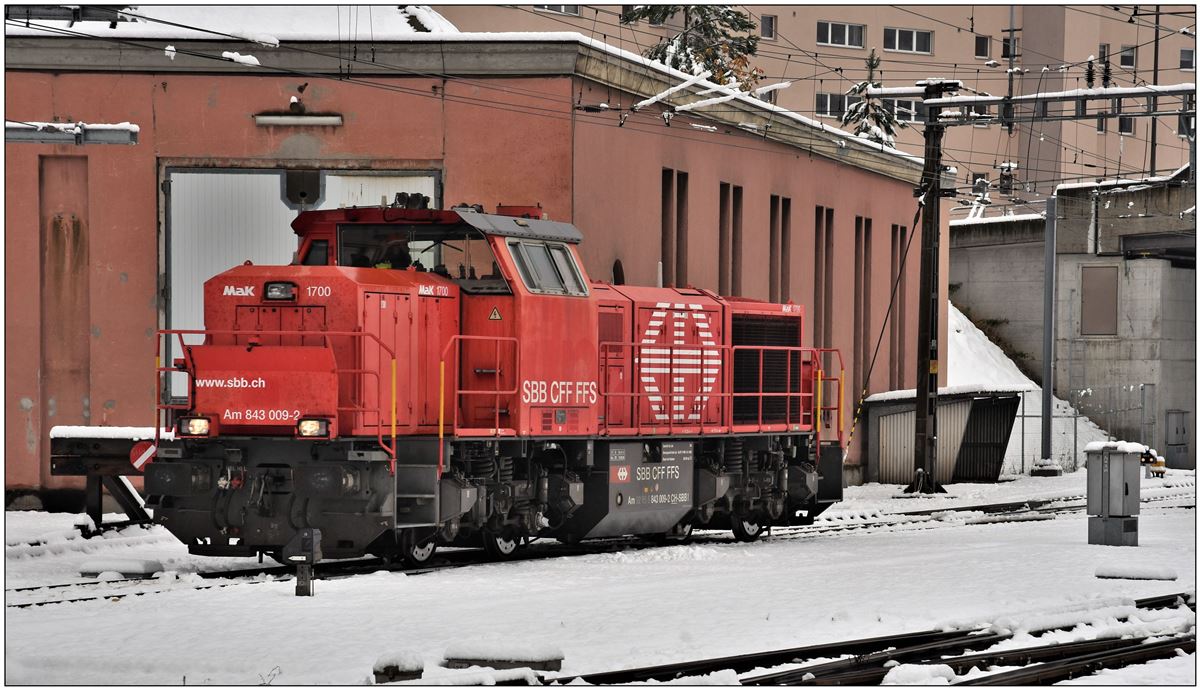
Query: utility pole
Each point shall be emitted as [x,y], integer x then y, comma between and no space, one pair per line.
[1049,294]
[1012,54]
[1154,121]
[1066,106]
[930,194]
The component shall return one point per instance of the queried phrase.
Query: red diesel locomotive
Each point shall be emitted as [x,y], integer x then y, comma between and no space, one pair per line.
[420,377]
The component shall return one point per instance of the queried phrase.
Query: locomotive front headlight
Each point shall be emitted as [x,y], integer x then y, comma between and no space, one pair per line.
[313,427]
[280,291]
[194,426]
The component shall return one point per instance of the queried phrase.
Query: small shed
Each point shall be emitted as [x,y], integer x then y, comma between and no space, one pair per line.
[973,428]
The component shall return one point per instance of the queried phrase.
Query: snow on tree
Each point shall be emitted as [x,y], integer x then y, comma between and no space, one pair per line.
[870,117]
[717,38]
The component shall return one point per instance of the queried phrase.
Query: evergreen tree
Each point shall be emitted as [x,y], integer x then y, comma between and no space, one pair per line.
[871,119]
[717,38]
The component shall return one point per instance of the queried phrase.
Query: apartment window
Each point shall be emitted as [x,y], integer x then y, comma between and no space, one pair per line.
[907,40]
[839,34]
[1187,58]
[983,46]
[1009,47]
[1098,300]
[625,10]
[1128,57]
[771,97]
[729,240]
[1124,124]
[905,110]
[1100,125]
[1103,53]
[833,104]
[561,9]
[981,111]
[766,26]
[667,254]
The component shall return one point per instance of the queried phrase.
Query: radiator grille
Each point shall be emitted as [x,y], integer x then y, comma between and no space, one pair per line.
[767,331]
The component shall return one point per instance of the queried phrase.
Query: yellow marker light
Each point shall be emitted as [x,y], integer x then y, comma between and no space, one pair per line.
[312,427]
[195,426]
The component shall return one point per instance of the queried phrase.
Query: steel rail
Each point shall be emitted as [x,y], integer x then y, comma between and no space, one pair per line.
[1087,664]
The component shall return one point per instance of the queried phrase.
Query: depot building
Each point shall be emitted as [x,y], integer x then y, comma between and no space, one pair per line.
[107,243]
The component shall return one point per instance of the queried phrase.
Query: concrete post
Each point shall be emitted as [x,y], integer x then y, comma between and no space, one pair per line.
[1048,332]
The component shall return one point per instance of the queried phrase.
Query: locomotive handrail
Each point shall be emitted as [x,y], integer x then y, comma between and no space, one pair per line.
[637,391]
[207,333]
[455,342]
[839,379]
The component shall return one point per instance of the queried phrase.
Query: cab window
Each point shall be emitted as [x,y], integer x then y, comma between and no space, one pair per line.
[547,267]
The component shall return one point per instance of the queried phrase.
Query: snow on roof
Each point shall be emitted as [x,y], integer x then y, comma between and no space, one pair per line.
[350,24]
[969,389]
[275,22]
[1119,446]
[998,219]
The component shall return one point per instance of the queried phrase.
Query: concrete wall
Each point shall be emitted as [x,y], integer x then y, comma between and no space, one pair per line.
[1155,345]
[984,283]
[1125,382]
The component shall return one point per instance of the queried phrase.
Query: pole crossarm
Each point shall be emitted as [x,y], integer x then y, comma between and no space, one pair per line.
[1072,95]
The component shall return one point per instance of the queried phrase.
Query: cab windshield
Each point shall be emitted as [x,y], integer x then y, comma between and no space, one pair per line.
[460,253]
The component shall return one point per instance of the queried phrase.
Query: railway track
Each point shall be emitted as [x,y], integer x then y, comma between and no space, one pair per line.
[867,661]
[921,519]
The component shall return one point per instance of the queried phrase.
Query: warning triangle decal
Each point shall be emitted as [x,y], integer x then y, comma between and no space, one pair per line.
[495,315]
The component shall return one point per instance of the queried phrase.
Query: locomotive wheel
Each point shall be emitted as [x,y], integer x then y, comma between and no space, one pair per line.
[747,527]
[417,555]
[500,546]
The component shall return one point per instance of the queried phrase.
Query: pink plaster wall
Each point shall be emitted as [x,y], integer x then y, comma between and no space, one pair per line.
[603,178]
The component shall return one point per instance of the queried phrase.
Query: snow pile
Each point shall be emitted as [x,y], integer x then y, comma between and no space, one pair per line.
[404,660]
[248,60]
[919,674]
[1135,571]
[973,359]
[1177,670]
[510,676]
[503,650]
[126,566]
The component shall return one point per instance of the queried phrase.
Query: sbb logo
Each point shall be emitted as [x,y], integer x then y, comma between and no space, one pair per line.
[620,474]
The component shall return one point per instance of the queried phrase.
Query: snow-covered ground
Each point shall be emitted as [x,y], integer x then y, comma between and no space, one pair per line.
[610,610]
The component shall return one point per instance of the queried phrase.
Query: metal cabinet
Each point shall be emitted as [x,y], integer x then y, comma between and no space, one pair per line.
[1114,483]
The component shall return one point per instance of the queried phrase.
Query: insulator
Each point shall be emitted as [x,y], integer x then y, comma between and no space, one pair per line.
[1106,75]
[1090,74]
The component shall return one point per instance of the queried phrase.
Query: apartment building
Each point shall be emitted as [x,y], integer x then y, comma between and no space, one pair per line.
[822,50]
